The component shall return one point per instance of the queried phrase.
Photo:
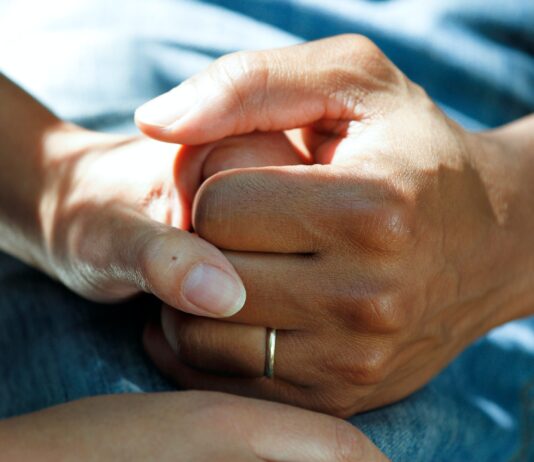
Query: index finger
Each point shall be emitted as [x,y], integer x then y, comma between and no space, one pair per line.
[343,77]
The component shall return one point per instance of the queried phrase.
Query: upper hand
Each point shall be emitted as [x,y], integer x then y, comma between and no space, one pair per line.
[377,265]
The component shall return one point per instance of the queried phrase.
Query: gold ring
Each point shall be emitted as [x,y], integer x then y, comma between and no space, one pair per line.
[270,352]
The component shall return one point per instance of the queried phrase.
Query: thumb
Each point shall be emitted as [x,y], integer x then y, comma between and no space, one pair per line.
[340,78]
[176,266]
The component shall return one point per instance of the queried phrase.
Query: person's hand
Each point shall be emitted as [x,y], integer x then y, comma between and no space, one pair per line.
[185,427]
[116,214]
[378,266]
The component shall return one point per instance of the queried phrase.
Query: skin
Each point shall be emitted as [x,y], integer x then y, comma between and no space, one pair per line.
[185,427]
[108,216]
[406,240]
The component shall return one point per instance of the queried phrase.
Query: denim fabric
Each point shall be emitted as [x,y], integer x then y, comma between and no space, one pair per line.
[93,62]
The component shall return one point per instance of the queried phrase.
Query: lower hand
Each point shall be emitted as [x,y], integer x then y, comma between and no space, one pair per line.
[185,426]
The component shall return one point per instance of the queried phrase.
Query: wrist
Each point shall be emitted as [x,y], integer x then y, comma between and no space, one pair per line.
[67,151]
[23,182]
[504,161]
[52,170]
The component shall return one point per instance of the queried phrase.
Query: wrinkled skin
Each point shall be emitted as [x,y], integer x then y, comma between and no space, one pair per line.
[407,239]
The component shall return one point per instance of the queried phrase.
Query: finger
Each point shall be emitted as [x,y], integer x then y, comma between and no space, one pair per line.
[270,209]
[230,349]
[343,77]
[253,150]
[305,209]
[283,290]
[160,351]
[129,251]
[318,398]
[196,163]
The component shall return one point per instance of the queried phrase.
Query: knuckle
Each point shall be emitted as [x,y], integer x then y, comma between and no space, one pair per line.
[337,403]
[385,227]
[373,306]
[147,245]
[371,60]
[237,74]
[385,313]
[366,361]
[240,64]
[225,201]
[371,368]
[395,226]
[367,367]
[361,44]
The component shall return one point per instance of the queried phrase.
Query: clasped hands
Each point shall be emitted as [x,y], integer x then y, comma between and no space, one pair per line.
[365,226]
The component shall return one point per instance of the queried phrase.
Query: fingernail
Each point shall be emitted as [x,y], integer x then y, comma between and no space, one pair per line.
[214,291]
[166,109]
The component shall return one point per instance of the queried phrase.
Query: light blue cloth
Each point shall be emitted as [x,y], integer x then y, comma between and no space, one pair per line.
[94,62]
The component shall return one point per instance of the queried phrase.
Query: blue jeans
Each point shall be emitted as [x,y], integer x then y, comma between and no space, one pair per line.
[94,61]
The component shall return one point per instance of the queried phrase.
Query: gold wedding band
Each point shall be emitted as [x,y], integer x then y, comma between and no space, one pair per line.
[269,353]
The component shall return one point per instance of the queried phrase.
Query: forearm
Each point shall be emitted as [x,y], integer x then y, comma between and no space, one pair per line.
[30,437]
[25,128]
[83,430]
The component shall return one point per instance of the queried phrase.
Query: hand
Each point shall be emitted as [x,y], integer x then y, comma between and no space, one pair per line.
[186,426]
[378,265]
[116,215]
